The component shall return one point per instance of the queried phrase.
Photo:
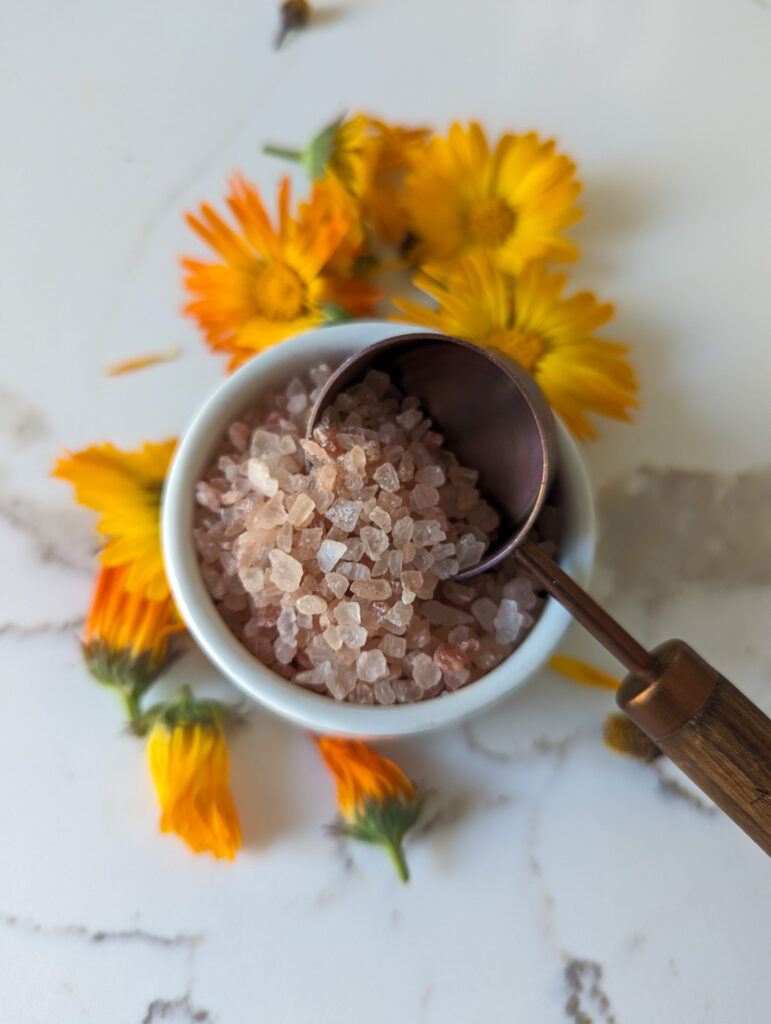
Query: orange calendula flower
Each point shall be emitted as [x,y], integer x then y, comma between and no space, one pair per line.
[125,489]
[552,337]
[378,802]
[512,201]
[272,282]
[366,156]
[126,638]
[189,765]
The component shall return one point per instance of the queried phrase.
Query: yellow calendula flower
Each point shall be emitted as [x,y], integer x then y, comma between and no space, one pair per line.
[378,802]
[367,157]
[528,319]
[125,489]
[126,637]
[273,282]
[189,765]
[512,201]
[582,672]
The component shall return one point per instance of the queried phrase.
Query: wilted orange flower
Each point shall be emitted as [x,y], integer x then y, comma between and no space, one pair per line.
[377,800]
[366,156]
[126,637]
[189,765]
[125,489]
[512,201]
[274,282]
[581,672]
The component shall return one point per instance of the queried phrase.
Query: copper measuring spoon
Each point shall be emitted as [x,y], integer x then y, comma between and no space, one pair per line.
[496,420]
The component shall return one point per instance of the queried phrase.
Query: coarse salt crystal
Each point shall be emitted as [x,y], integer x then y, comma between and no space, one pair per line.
[372,590]
[329,554]
[371,665]
[311,604]
[387,477]
[286,572]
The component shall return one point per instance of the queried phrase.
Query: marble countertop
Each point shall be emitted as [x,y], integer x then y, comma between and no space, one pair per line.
[552,881]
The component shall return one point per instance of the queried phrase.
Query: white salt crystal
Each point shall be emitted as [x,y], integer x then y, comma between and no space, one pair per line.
[371,665]
[508,622]
[261,478]
[455,678]
[375,541]
[332,636]
[425,673]
[252,578]
[406,468]
[263,442]
[355,460]
[372,590]
[348,613]
[354,548]
[484,611]
[287,624]
[384,692]
[353,636]
[458,593]
[285,650]
[286,571]
[308,542]
[446,568]
[311,604]
[301,510]
[387,477]
[340,681]
[469,550]
[296,404]
[400,614]
[315,453]
[345,514]
[403,530]
[423,496]
[395,563]
[521,590]
[329,554]
[284,537]
[427,532]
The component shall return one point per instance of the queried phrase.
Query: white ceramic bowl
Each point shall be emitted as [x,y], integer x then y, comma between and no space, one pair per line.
[270,371]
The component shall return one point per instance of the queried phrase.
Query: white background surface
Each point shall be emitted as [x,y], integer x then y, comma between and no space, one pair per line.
[556,882]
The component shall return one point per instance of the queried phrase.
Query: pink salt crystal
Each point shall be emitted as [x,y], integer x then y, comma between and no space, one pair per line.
[372,590]
[353,483]
[423,496]
[380,518]
[439,614]
[459,634]
[311,604]
[287,445]
[422,560]
[425,673]
[409,420]
[484,611]
[286,624]
[363,694]
[454,679]
[301,510]
[329,554]
[354,637]
[332,636]
[355,460]
[433,475]
[285,650]
[395,563]
[270,514]
[489,654]
[371,665]
[348,613]
[336,584]
[340,681]
[315,453]
[375,541]
[427,532]
[450,657]
[286,572]
[403,530]
[308,542]
[208,496]
[238,435]
[458,593]
[296,404]
[387,477]
[408,551]
[406,468]
[390,502]
[406,691]
[267,616]
[446,568]
[263,443]
[521,590]
[393,647]
[261,479]
[469,550]
[354,548]
[400,614]
[326,477]
[345,514]
[284,537]
[380,566]
[384,692]
[412,581]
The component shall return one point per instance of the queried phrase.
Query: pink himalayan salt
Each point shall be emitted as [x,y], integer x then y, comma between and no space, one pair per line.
[356,485]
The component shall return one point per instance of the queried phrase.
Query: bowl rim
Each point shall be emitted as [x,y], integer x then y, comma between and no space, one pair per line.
[290,700]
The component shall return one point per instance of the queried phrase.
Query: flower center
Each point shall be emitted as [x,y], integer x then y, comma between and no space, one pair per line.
[278,292]
[525,348]
[489,222]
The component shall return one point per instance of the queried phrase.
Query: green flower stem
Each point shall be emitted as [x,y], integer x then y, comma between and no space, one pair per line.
[396,853]
[283,154]
[131,705]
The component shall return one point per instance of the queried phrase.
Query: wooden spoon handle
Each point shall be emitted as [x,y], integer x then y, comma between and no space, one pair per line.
[719,738]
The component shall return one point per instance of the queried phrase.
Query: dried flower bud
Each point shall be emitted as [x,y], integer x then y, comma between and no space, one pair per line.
[294,14]
[622,736]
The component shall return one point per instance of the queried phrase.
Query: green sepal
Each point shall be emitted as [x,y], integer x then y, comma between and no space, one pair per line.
[334,314]
[384,823]
[185,709]
[128,675]
[318,152]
